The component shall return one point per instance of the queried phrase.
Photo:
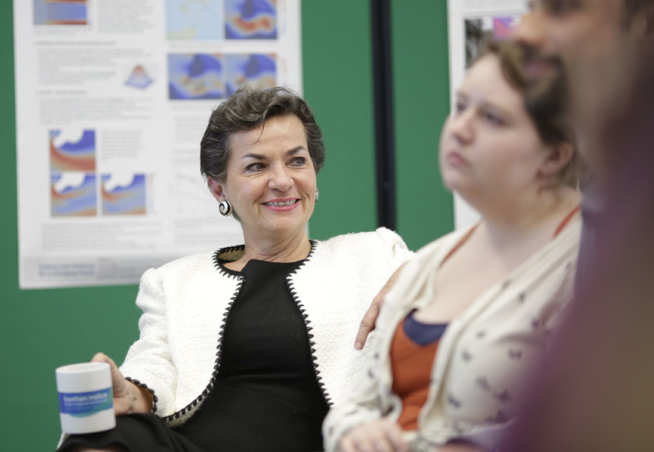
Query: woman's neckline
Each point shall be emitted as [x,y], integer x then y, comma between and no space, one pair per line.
[222,262]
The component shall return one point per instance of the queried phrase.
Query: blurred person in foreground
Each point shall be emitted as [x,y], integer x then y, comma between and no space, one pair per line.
[594,391]
[470,312]
[244,348]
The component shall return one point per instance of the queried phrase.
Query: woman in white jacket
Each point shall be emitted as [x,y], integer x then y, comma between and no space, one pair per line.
[473,309]
[245,348]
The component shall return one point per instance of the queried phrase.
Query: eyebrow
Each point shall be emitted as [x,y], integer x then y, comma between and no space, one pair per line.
[487,104]
[254,156]
[498,109]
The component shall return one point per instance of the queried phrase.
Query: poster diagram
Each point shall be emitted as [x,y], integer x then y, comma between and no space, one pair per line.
[60,12]
[256,70]
[73,195]
[72,151]
[194,19]
[139,78]
[123,194]
[198,76]
[207,76]
[112,100]
[251,19]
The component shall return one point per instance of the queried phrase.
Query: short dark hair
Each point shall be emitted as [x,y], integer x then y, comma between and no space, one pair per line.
[544,101]
[247,109]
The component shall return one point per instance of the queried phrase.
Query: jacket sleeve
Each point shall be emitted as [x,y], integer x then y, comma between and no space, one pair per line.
[398,250]
[366,399]
[363,403]
[148,362]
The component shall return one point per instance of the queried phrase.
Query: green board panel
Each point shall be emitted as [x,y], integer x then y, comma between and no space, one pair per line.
[421,87]
[337,64]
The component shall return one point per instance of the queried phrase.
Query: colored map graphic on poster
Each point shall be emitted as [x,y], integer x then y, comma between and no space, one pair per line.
[123,194]
[73,195]
[60,12]
[256,70]
[72,150]
[210,76]
[194,19]
[250,19]
[139,78]
[195,76]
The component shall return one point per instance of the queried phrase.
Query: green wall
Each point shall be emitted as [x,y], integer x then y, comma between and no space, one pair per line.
[42,329]
[337,70]
[421,86]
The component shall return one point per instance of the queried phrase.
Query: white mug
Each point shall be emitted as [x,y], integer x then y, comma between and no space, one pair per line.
[85,398]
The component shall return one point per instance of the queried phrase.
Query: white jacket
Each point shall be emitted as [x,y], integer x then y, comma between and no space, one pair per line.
[185,304]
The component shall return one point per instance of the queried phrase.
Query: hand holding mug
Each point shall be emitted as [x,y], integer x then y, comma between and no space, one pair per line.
[128,397]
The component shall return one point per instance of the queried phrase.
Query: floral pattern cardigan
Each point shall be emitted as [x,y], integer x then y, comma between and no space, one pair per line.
[482,355]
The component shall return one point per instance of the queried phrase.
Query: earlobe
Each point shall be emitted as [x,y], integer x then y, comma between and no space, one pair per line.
[216,188]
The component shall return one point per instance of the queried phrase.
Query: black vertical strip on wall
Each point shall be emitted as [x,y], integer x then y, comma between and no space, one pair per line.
[380,15]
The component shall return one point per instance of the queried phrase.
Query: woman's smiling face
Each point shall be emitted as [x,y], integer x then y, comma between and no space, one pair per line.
[270,180]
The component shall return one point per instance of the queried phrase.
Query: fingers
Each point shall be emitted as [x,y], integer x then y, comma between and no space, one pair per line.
[377,436]
[116,376]
[118,383]
[394,434]
[367,323]
[117,379]
[370,317]
[102,358]
[365,445]
[128,398]
[368,445]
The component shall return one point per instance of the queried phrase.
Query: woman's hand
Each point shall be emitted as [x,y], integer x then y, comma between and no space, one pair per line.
[377,436]
[128,397]
[370,317]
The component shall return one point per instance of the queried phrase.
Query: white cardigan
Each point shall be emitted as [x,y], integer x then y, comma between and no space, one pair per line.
[483,355]
[185,304]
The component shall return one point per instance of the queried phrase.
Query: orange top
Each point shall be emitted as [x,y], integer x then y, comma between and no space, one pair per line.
[411,368]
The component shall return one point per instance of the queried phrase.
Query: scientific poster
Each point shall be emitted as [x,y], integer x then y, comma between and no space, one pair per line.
[469,22]
[112,98]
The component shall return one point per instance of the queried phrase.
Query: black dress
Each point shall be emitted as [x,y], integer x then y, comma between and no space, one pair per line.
[266,396]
